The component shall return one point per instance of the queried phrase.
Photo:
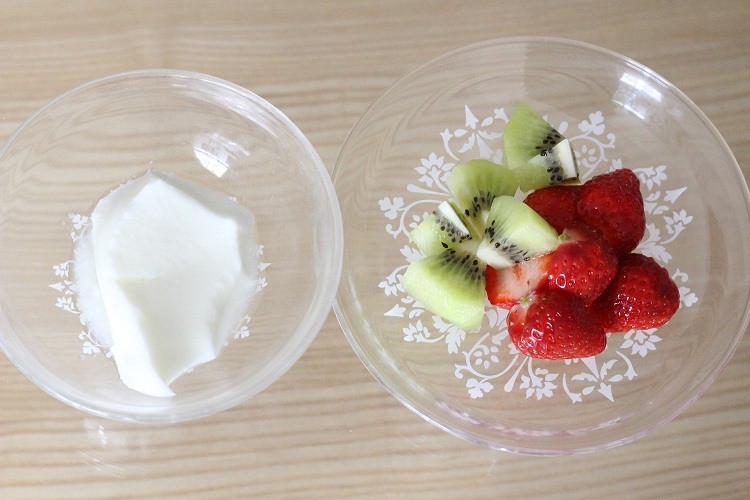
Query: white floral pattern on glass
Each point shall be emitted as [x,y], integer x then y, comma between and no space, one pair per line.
[538,383]
[641,341]
[65,289]
[491,357]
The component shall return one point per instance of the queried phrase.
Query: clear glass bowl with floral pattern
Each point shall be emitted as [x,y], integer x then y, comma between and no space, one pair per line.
[618,114]
[83,144]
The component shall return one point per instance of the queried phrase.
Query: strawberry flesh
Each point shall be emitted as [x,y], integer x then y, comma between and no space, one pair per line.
[507,286]
[556,204]
[553,324]
[642,295]
[583,264]
[613,204]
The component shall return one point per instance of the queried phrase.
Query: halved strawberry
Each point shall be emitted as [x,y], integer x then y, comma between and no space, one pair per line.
[506,286]
[553,324]
[642,295]
[556,204]
[613,204]
[583,264]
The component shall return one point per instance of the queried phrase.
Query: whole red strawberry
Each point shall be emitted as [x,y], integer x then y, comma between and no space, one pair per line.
[556,204]
[553,324]
[641,296]
[507,286]
[583,264]
[613,204]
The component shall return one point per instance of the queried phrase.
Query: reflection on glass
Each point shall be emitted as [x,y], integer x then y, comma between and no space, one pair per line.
[215,165]
[216,152]
[640,85]
[637,95]
[122,450]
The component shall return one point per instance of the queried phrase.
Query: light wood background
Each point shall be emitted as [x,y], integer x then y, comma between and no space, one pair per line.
[327,428]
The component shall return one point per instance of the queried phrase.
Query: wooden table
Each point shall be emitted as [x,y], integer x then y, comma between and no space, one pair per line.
[327,428]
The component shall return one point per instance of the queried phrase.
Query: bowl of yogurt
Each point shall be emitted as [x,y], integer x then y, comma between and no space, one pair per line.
[170,244]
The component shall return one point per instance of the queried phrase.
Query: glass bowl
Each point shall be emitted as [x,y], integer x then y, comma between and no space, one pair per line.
[77,148]
[390,174]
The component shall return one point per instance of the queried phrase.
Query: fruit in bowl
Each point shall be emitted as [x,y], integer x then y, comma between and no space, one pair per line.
[615,113]
[561,261]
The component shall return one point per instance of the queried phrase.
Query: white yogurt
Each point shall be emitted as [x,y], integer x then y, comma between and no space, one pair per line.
[163,276]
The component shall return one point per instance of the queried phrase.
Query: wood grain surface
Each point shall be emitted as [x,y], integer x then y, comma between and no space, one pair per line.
[327,428]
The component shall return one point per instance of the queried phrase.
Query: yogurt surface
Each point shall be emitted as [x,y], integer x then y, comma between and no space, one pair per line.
[163,276]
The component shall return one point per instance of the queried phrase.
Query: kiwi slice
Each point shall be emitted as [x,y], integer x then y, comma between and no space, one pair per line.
[474,185]
[538,154]
[450,284]
[443,229]
[515,233]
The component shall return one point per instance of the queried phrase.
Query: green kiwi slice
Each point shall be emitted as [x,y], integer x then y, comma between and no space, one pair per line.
[515,233]
[443,229]
[450,284]
[474,185]
[538,154]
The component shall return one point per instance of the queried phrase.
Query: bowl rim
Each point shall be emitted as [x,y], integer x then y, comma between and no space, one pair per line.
[435,419]
[320,304]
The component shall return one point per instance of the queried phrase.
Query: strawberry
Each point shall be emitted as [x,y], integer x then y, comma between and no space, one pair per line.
[625,178]
[553,324]
[583,264]
[556,204]
[613,204]
[642,295]
[506,286]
